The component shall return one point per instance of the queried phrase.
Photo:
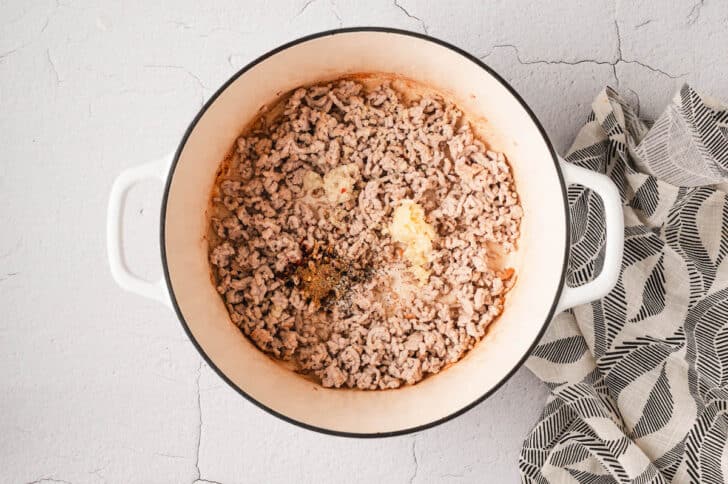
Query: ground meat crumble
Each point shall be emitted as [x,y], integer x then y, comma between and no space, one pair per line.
[305,262]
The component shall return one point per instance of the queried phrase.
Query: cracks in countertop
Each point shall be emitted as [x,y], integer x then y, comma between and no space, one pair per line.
[694,13]
[453,476]
[48,479]
[618,59]
[399,6]
[542,61]
[10,52]
[198,477]
[335,11]
[199,424]
[579,61]
[50,15]
[46,21]
[620,54]
[203,34]
[182,68]
[171,456]
[230,61]
[53,67]
[415,462]
[8,276]
[613,63]
[305,6]
[188,72]
[181,24]
[653,69]
[332,6]
[97,473]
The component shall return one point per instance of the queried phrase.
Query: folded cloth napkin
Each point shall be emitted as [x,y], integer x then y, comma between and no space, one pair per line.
[639,379]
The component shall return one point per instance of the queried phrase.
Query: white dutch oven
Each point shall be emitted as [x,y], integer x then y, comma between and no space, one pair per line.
[540,261]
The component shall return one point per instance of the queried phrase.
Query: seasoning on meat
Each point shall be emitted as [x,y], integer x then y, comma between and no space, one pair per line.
[318,280]
[357,234]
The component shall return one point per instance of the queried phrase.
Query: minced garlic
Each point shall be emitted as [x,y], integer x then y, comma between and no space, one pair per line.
[339,183]
[410,228]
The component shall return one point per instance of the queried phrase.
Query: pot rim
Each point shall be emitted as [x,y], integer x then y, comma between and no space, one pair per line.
[273,52]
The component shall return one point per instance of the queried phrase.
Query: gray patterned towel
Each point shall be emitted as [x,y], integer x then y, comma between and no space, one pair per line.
[639,379]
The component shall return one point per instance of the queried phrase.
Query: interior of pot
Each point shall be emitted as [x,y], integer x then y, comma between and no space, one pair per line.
[506,125]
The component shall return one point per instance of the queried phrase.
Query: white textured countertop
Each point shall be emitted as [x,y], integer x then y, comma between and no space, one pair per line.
[97,385]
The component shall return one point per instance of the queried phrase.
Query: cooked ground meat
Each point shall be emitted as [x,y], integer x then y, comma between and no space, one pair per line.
[301,245]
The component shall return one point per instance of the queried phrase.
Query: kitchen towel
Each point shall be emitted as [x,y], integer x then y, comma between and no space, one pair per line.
[639,379]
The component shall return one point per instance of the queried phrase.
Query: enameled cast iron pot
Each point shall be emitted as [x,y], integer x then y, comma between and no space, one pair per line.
[540,262]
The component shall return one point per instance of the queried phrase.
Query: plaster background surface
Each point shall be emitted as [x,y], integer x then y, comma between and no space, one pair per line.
[97,385]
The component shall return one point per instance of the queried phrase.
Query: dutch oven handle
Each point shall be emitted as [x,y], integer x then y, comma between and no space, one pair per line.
[156,290]
[607,278]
